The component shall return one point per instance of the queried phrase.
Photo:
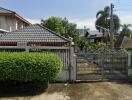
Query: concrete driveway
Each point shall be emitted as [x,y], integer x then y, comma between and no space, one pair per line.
[82,91]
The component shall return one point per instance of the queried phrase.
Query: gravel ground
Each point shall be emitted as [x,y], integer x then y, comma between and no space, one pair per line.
[82,91]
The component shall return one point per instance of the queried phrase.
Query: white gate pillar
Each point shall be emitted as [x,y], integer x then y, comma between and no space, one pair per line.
[129,65]
[27,49]
[73,64]
[72,70]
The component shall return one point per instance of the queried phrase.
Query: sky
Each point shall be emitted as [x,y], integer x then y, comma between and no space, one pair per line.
[81,12]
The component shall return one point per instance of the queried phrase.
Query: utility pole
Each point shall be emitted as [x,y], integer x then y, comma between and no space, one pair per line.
[111,26]
[111,33]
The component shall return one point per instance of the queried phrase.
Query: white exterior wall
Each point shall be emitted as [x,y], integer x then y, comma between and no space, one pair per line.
[10,23]
[2,22]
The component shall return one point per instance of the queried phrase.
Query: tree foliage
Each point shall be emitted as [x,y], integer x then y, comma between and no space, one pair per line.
[29,66]
[103,20]
[62,26]
[82,43]
[126,30]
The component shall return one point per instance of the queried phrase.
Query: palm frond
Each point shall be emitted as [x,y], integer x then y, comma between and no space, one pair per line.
[99,13]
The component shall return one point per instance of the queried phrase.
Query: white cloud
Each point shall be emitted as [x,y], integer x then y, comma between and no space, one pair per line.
[34,21]
[89,23]
[126,19]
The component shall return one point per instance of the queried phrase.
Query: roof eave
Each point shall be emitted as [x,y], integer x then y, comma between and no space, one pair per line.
[21,18]
[68,40]
[17,16]
[31,41]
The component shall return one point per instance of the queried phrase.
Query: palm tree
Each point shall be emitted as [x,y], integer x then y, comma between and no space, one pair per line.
[126,31]
[103,20]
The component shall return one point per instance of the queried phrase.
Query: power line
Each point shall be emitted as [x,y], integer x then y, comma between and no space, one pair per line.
[119,3]
[123,6]
[123,9]
[123,1]
[116,2]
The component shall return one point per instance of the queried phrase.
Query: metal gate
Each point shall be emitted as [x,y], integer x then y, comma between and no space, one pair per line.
[102,65]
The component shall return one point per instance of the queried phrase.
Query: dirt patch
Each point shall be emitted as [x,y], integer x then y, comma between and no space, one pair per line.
[83,91]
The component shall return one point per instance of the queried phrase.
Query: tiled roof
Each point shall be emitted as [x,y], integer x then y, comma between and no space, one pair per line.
[3,10]
[126,43]
[33,33]
[95,33]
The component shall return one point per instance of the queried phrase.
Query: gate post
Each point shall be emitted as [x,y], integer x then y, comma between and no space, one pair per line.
[129,60]
[73,64]
[102,65]
[129,65]
[72,61]
[27,49]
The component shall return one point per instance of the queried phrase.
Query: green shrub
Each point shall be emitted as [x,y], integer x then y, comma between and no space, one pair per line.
[29,67]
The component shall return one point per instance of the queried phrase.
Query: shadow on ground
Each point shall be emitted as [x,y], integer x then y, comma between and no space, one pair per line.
[19,90]
[114,90]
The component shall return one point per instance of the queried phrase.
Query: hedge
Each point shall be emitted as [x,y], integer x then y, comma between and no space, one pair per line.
[26,67]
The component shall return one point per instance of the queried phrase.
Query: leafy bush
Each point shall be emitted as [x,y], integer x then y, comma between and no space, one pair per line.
[29,66]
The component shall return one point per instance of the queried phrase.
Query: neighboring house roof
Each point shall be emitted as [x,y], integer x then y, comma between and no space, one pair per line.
[4,11]
[93,34]
[126,43]
[82,32]
[33,33]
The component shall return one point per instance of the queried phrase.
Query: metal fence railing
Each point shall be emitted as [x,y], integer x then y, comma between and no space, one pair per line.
[62,52]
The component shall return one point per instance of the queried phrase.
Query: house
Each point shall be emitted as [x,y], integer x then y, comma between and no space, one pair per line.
[39,38]
[33,35]
[82,32]
[95,36]
[124,42]
[11,21]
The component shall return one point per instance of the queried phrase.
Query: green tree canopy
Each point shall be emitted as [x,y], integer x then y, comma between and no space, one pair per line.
[83,42]
[126,30]
[62,26]
[103,20]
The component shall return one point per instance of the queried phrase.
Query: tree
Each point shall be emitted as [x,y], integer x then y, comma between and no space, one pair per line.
[62,26]
[103,20]
[83,43]
[126,31]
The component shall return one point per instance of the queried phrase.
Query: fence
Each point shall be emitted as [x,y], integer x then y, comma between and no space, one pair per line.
[66,54]
[102,64]
[37,38]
